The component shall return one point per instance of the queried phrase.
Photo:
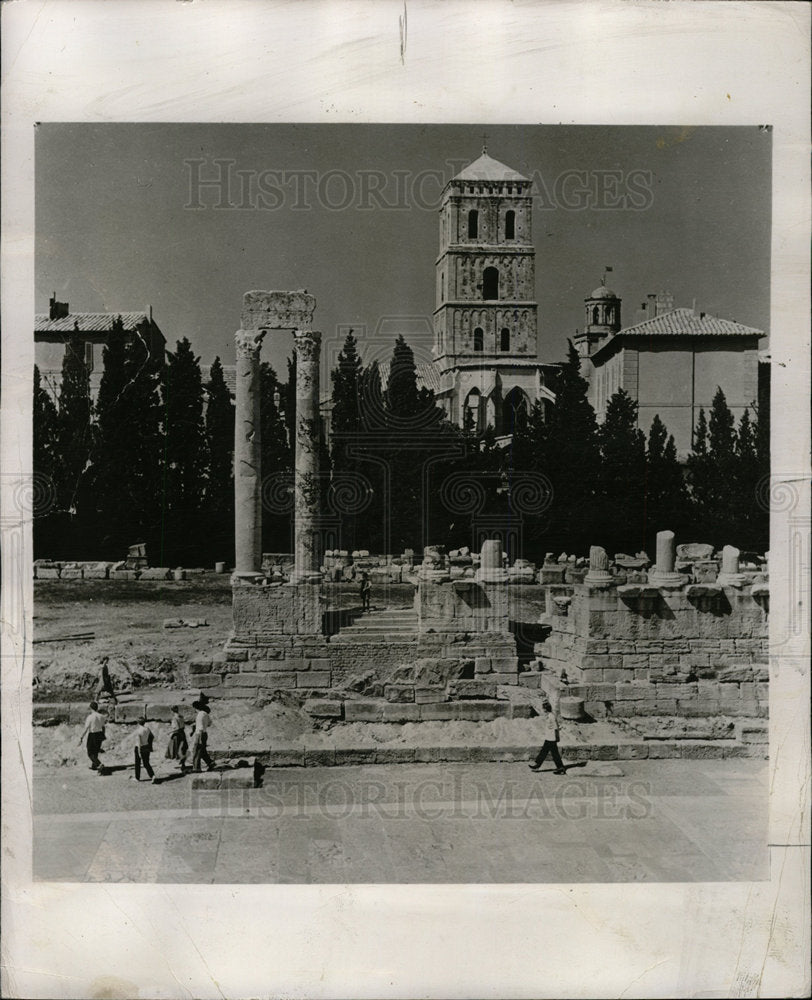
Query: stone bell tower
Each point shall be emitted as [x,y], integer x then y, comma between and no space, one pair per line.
[485,320]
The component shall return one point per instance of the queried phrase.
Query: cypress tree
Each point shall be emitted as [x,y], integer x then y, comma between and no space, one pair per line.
[569,454]
[623,454]
[220,478]
[73,424]
[277,457]
[751,519]
[109,470]
[45,465]
[185,437]
[666,497]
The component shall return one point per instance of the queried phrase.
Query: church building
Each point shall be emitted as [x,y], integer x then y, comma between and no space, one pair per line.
[486,316]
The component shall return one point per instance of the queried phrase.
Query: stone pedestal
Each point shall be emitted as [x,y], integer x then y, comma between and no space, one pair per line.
[307,345]
[730,575]
[598,574]
[491,565]
[247,452]
[663,574]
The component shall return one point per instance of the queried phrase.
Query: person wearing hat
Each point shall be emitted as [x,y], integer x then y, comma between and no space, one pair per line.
[550,733]
[200,729]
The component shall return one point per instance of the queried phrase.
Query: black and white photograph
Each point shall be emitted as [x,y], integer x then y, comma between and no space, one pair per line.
[485,490]
[405,511]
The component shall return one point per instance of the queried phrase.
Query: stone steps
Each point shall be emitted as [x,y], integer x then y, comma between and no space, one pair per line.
[397,624]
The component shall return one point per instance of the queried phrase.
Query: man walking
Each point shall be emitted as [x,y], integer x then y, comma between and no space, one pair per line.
[366,591]
[142,749]
[94,730]
[200,753]
[550,734]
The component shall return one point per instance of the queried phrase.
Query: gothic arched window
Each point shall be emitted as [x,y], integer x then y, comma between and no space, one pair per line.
[504,339]
[473,410]
[473,224]
[490,283]
[479,339]
[510,225]
[514,408]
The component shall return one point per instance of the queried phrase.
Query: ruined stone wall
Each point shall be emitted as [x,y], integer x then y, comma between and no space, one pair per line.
[642,650]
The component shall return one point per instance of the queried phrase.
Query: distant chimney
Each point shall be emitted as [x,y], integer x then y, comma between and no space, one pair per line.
[651,305]
[57,310]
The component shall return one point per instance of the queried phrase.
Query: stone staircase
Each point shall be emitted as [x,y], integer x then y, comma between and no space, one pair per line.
[390,624]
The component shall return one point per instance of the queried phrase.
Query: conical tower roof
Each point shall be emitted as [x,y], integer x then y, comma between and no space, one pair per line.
[487,169]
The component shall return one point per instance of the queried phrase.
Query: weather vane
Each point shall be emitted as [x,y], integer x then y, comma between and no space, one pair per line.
[484,142]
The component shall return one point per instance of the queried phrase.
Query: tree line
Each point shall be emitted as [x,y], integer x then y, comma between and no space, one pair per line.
[152,460]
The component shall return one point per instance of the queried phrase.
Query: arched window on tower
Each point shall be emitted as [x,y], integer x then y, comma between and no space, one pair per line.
[595,315]
[479,339]
[510,225]
[442,288]
[473,224]
[490,283]
[504,339]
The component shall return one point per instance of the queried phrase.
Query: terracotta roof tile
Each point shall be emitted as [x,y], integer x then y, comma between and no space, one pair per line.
[101,322]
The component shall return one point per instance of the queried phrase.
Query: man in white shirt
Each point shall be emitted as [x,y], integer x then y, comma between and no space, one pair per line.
[94,730]
[200,753]
[550,732]
[142,748]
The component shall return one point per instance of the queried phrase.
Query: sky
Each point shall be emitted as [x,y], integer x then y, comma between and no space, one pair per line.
[124,220]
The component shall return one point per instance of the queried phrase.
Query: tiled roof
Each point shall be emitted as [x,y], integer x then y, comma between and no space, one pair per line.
[427,375]
[88,322]
[687,323]
[488,169]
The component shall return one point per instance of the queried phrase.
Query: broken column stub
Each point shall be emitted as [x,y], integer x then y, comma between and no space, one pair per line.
[598,574]
[663,573]
[491,565]
[247,451]
[730,575]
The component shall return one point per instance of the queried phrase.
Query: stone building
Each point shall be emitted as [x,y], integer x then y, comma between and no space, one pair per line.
[671,362]
[486,317]
[53,331]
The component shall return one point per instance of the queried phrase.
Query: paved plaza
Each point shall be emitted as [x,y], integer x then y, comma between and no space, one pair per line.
[640,821]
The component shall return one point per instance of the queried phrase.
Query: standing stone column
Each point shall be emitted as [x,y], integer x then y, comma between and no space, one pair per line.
[663,574]
[247,456]
[307,345]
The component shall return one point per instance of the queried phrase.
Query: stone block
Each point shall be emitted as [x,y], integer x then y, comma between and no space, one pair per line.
[293,757]
[472,689]
[531,679]
[663,750]
[236,655]
[314,679]
[48,572]
[205,782]
[320,758]
[346,755]
[635,661]
[521,710]
[323,708]
[272,666]
[630,692]
[242,777]
[122,575]
[394,755]
[439,712]
[504,665]
[399,692]
[598,710]
[156,573]
[613,675]
[130,711]
[159,713]
[228,694]
[512,678]
[472,711]
[53,715]
[363,711]
[244,680]
[401,712]
[319,663]
[431,755]
[428,695]
[702,751]
[753,732]
[208,680]
[297,663]
[71,573]
[483,665]
[632,751]
[200,666]
[276,680]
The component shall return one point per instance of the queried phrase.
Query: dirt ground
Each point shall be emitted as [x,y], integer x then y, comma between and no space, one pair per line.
[149,660]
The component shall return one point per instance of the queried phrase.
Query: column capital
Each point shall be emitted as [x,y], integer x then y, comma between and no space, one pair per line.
[248,343]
